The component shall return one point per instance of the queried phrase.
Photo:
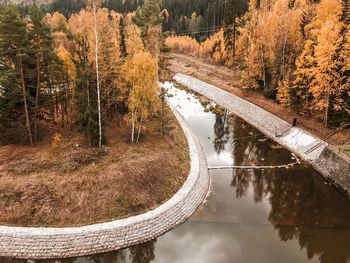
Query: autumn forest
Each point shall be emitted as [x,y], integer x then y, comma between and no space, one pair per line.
[295,52]
[73,63]
[77,71]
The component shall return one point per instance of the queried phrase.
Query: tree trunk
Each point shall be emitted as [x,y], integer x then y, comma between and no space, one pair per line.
[89,109]
[36,108]
[97,77]
[327,109]
[133,117]
[161,119]
[234,37]
[263,66]
[25,105]
[139,131]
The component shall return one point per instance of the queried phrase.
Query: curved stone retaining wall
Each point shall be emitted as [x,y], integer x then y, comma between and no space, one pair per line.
[43,243]
[308,147]
[335,169]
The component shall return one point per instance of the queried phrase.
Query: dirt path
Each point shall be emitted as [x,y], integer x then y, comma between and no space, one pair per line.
[229,80]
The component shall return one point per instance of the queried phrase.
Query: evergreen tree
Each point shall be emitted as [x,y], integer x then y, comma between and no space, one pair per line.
[86,93]
[67,7]
[45,56]
[15,60]
[148,15]
[233,10]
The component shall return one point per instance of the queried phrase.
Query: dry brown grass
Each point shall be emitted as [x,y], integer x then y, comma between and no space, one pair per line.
[346,149]
[61,184]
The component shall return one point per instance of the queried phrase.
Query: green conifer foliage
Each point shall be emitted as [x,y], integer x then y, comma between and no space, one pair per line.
[148,15]
[15,81]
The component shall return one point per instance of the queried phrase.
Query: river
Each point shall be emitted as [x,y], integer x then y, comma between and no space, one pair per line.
[258,215]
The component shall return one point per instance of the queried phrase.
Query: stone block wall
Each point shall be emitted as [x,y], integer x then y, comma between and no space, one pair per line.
[307,146]
[44,243]
[335,169]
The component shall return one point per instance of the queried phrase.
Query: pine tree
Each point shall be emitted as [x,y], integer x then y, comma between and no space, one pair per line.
[233,10]
[15,58]
[86,97]
[148,15]
[41,42]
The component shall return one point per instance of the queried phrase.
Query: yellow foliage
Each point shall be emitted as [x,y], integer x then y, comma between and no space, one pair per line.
[183,44]
[154,40]
[56,140]
[68,63]
[283,93]
[324,77]
[59,26]
[269,41]
[213,47]
[133,40]
[57,21]
[81,25]
[140,75]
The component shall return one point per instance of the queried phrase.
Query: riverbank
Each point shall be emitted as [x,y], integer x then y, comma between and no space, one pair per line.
[304,144]
[229,80]
[45,243]
[66,183]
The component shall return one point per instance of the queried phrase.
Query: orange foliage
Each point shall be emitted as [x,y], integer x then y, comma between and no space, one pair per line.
[213,47]
[183,44]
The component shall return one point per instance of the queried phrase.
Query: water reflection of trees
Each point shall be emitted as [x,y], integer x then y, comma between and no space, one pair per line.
[143,253]
[221,131]
[303,206]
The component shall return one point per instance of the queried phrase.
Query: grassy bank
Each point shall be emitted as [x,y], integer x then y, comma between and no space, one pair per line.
[65,183]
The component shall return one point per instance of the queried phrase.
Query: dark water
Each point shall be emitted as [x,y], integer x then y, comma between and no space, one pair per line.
[271,215]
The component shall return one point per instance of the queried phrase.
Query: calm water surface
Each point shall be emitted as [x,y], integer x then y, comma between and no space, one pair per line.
[272,215]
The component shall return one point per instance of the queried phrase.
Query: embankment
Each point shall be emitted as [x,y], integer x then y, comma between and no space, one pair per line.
[307,146]
[44,243]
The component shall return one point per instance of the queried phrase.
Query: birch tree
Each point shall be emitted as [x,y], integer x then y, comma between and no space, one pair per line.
[140,76]
[94,4]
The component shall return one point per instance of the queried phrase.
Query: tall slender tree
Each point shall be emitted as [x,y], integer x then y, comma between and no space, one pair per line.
[95,4]
[41,42]
[14,56]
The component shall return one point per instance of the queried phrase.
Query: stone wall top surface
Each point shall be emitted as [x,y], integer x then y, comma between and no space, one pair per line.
[307,146]
[299,141]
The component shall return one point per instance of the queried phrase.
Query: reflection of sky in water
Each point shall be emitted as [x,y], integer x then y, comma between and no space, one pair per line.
[235,223]
[193,111]
[282,215]
[225,243]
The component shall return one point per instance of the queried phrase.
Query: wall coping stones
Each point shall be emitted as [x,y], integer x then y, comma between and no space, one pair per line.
[309,147]
[44,243]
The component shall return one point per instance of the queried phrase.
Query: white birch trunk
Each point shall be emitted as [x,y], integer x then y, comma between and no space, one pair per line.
[139,131]
[133,117]
[97,77]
